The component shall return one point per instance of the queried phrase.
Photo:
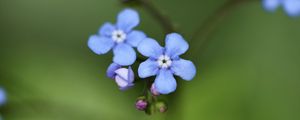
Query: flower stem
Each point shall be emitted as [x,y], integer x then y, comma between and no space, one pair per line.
[202,33]
[161,18]
[164,21]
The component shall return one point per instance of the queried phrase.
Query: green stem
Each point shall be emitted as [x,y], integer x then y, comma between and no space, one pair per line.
[202,33]
[164,21]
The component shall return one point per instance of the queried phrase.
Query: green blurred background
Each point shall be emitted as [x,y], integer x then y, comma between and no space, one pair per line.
[248,69]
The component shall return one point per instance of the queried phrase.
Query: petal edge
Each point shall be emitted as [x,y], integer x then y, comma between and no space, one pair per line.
[128,19]
[148,68]
[165,82]
[150,48]
[184,69]
[124,55]
[175,45]
[100,45]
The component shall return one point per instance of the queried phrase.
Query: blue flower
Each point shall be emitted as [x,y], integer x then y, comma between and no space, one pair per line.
[164,62]
[291,7]
[2,96]
[120,37]
[124,77]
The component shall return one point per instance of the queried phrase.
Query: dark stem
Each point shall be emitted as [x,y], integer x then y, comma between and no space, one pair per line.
[162,19]
[202,33]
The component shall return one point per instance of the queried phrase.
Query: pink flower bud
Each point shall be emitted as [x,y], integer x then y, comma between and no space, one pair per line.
[154,91]
[141,105]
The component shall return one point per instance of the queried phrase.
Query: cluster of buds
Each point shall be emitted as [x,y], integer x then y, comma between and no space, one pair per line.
[143,104]
[150,106]
[124,78]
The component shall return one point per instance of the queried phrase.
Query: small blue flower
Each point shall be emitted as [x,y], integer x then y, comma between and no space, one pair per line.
[164,62]
[2,96]
[291,7]
[120,37]
[124,77]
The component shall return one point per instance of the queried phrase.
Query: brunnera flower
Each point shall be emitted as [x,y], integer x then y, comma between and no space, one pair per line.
[121,38]
[165,62]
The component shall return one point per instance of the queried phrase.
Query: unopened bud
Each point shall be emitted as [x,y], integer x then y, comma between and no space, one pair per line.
[161,107]
[141,104]
[154,90]
[124,77]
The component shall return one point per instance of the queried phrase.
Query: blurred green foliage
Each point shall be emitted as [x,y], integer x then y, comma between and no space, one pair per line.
[248,69]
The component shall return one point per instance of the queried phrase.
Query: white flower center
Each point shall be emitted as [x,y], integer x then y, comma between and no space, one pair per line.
[164,61]
[118,36]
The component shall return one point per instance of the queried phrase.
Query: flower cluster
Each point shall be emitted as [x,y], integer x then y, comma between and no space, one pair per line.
[162,62]
[291,7]
[119,37]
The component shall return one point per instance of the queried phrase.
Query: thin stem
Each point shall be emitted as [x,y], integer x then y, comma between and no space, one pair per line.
[147,86]
[162,19]
[208,26]
[154,98]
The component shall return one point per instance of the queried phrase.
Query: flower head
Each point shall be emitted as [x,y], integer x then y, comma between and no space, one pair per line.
[291,7]
[164,62]
[2,96]
[124,77]
[119,37]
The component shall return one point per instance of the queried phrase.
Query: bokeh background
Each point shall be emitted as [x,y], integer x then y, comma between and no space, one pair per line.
[248,69]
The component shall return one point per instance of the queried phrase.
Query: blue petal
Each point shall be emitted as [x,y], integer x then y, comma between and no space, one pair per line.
[123,84]
[100,45]
[111,70]
[148,68]
[2,96]
[124,78]
[128,19]
[150,48]
[165,82]
[175,45]
[135,37]
[130,75]
[184,69]
[271,5]
[124,54]
[107,29]
[127,87]
[292,7]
